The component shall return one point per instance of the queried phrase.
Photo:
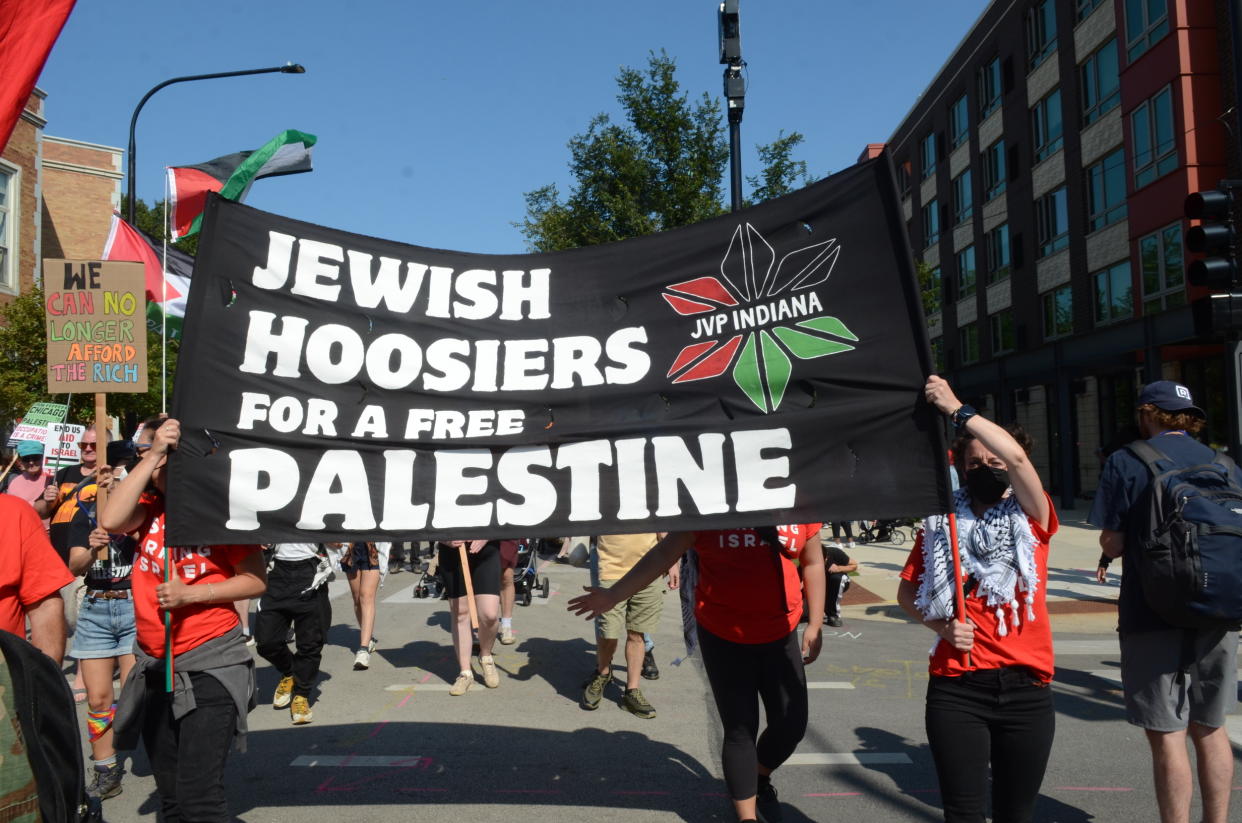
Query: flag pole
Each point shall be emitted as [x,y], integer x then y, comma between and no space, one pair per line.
[959,595]
[164,309]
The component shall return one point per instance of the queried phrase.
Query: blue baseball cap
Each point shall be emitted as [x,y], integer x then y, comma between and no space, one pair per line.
[29,448]
[1169,396]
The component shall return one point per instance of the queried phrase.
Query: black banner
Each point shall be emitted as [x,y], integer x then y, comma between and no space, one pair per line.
[763,367]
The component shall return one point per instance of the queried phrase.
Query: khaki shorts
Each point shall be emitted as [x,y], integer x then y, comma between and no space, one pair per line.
[1159,699]
[641,613]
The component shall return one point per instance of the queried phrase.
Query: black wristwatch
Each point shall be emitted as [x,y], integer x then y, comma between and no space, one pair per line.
[964,413]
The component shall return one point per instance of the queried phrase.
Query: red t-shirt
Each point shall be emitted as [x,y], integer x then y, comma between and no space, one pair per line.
[747,592]
[197,565]
[1030,644]
[793,538]
[30,569]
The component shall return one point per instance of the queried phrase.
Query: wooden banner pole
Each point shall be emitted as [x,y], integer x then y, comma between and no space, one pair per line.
[465,572]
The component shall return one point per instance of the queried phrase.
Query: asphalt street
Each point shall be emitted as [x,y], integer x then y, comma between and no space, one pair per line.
[391,744]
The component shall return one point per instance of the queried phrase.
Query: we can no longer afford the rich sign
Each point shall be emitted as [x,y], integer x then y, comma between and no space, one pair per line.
[96,326]
[757,368]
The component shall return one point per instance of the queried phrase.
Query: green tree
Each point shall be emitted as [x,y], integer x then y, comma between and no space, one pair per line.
[662,169]
[930,286]
[781,173]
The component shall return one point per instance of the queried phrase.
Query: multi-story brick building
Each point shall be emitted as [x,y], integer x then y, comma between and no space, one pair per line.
[1043,173]
[56,199]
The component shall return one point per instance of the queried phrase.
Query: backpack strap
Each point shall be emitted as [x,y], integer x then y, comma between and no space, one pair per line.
[1149,454]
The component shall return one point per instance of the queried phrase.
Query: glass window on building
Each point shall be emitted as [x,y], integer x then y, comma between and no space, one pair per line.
[8,272]
[1046,122]
[1003,339]
[968,343]
[933,289]
[1164,272]
[1113,293]
[996,243]
[1101,83]
[1051,223]
[937,351]
[990,87]
[1085,7]
[1058,312]
[966,274]
[994,173]
[1155,146]
[1041,32]
[927,150]
[963,198]
[1146,22]
[1106,191]
[903,178]
[959,122]
[931,224]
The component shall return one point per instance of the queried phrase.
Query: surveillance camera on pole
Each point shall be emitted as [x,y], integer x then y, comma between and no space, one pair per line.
[734,91]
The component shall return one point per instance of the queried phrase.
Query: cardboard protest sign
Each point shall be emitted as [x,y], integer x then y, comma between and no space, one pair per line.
[96,326]
[762,367]
[33,425]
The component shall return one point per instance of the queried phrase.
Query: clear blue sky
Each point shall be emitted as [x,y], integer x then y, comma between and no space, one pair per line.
[434,118]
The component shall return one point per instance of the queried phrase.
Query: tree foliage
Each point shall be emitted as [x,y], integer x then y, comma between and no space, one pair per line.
[663,168]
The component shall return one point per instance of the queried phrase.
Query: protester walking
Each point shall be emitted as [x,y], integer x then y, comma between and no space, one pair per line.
[365,566]
[508,589]
[483,560]
[297,595]
[186,732]
[748,603]
[989,700]
[1180,679]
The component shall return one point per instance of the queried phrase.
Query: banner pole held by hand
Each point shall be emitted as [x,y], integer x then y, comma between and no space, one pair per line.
[959,595]
[465,572]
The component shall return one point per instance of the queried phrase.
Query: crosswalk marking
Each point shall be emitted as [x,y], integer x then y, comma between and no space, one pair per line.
[848,759]
[362,761]
[830,684]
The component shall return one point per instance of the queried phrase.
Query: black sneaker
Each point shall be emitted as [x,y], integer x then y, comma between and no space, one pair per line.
[106,782]
[768,806]
[650,670]
[832,620]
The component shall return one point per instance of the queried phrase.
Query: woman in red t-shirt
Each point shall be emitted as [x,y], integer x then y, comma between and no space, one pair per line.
[989,700]
[748,602]
[186,733]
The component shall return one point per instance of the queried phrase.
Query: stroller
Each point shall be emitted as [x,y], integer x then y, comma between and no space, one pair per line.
[430,584]
[525,578]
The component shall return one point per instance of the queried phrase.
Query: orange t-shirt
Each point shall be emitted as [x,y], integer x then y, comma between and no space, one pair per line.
[30,569]
[197,565]
[747,592]
[1029,645]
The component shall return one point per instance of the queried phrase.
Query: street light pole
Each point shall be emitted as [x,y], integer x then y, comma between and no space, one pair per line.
[287,68]
[735,92]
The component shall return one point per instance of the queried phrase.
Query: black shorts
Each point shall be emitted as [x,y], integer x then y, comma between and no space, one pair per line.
[484,570]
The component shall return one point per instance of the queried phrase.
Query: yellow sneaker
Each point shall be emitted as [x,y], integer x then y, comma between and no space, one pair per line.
[301,711]
[284,692]
[462,684]
[491,677]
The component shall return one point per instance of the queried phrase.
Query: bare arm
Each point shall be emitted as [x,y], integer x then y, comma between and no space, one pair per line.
[653,564]
[815,579]
[47,626]
[846,569]
[123,513]
[249,580]
[1022,475]
[961,634]
[1112,543]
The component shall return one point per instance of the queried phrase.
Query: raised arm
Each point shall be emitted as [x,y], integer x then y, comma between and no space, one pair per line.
[123,513]
[654,563]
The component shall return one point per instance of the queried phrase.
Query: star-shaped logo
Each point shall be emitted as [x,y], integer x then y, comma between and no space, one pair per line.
[742,314]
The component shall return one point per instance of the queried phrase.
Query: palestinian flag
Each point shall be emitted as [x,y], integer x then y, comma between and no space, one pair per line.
[287,153]
[167,289]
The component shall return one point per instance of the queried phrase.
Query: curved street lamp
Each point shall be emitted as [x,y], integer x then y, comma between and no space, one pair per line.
[287,68]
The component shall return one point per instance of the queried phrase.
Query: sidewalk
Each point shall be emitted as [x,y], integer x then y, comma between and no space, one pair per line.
[1076,603]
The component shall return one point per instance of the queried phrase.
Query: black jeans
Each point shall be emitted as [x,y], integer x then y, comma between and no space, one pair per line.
[997,716]
[838,582]
[311,616]
[740,674]
[187,755]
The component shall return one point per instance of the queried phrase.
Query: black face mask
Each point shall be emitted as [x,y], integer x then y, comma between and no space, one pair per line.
[986,484]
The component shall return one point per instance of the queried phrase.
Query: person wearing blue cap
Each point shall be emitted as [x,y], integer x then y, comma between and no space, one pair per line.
[29,483]
[1177,682]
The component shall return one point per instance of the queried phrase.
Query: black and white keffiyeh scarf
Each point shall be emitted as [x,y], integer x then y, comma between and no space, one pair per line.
[999,554]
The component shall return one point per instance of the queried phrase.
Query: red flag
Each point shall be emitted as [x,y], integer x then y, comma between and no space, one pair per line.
[28,28]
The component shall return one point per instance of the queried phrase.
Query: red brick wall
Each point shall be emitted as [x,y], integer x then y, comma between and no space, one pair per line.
[22,151]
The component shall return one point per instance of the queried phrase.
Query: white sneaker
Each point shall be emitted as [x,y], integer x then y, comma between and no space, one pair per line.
[462,684]
[362,660]
[491,677]
[506,636]
[371,645]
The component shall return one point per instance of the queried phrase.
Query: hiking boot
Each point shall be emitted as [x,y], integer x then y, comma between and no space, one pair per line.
[106,782]
[300,711]
[506,636]
[284,693]
[832,620]
[637,705]
[462,684]
[594,691]
[768,806]
[362,660]
[491,677]
[650,670]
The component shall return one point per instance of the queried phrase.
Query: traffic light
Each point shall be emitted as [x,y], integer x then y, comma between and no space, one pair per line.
[1216,315]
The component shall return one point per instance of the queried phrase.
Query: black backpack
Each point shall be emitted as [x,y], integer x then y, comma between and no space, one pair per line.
[1190,553]
[47,721]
